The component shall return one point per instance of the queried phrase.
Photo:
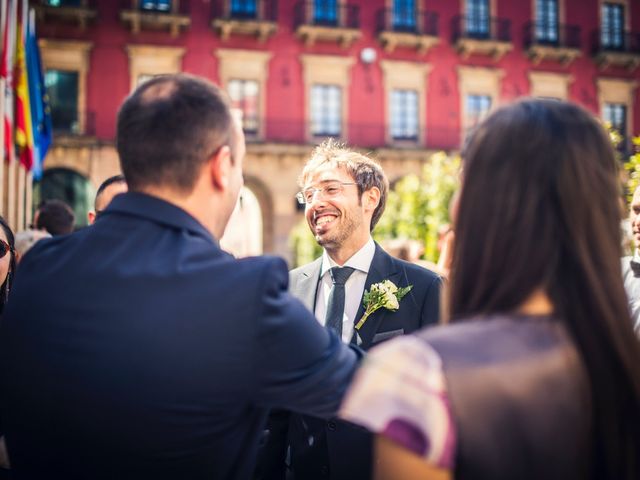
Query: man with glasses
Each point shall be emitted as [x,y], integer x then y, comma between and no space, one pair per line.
[108,189]
[344,194]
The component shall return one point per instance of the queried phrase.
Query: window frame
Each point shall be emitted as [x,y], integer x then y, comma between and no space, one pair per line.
[70,56]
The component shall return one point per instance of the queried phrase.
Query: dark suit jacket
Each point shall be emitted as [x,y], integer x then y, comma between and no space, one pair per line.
[338,449]
[136,348]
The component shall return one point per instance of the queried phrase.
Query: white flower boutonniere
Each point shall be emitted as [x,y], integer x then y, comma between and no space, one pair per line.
[384,294]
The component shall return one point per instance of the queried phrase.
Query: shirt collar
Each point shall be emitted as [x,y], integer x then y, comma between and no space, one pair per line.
[361,260]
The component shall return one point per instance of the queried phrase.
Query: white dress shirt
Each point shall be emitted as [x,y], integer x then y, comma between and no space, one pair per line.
[354,287]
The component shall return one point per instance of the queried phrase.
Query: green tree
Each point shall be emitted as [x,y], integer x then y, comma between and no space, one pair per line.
[418,206]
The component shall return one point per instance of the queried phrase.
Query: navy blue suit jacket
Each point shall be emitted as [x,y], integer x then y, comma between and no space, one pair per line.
[136,348]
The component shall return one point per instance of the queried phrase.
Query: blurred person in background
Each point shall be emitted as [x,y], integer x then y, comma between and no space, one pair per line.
[631,264]
[108,189]
[538,374]
[27,239]
[7,268]
[55,217]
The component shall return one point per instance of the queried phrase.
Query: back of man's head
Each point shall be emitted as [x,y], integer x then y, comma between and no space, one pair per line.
[168,129]
[56,217]
[101,200]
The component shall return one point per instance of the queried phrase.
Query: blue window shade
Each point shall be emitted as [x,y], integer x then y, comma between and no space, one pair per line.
[478,18]
[612,26]
[404,15]
[156,5]
[244,8]
[326,110]
[63,3]
[62,89]
[404,115]
[325,12]
[547,21]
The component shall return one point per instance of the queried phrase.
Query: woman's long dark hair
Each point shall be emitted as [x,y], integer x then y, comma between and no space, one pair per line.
[6,285]
[539,209]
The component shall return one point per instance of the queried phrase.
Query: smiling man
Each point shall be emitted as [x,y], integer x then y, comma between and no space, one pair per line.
[631,265]
[344,193]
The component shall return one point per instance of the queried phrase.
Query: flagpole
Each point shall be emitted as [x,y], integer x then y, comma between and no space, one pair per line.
[3,85]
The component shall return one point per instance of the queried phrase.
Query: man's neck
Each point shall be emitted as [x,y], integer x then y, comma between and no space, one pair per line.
[198,208]
[342,254]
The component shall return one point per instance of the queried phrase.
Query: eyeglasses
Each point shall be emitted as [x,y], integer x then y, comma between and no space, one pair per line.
[328,190]
[4,248]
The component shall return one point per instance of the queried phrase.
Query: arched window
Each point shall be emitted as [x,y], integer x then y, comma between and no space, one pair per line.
[68,186]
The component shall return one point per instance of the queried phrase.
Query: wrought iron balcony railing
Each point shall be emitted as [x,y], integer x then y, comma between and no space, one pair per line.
[327,14]
[552,35]
[410,21]
[481,28]
[616,41]
[68,121]
[262,10]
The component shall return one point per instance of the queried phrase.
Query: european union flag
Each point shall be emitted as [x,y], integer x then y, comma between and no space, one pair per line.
[40,111]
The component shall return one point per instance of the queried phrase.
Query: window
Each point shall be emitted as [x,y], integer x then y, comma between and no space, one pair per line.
[615,114]
[244,9]
[547,21]
[62,89]
[156,5]
[326,110]
[244,97]
[477,107]
[325,12]
[404,15]
[612,33]
[63,3]
[404,115]
[478,18]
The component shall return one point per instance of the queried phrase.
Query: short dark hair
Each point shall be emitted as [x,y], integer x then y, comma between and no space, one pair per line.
[168,128]
[103,186]
[56,217]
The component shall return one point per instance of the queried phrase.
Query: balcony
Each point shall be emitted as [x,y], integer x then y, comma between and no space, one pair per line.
[555,42]
[73,127]
[80,12]
[332,22]
[409,29]
[616,48]
[156,15]
[255,18]
[482,36]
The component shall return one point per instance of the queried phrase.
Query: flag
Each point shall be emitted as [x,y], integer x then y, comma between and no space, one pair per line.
[23,125]
[40,111]
[6,71]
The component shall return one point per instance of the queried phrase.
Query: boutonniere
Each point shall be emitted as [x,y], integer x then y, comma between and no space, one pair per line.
[384,294]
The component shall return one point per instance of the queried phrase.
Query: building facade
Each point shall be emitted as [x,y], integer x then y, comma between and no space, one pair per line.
[398,78]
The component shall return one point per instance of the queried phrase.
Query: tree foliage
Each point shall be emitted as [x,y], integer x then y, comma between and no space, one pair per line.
[418,206]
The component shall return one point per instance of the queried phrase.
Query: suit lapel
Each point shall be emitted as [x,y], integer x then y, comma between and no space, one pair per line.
[306,286]
[382,268]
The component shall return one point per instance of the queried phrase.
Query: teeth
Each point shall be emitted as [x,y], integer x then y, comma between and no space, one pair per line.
[324,220]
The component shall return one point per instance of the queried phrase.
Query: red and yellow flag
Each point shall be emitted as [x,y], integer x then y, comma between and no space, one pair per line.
[23,125]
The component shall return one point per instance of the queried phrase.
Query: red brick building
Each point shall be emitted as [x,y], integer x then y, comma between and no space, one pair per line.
[399,78]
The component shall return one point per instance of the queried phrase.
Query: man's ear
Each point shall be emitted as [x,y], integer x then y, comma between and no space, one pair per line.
[220,168]
[371,199]
[91,217]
